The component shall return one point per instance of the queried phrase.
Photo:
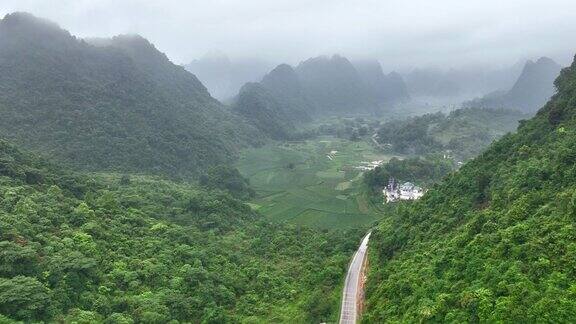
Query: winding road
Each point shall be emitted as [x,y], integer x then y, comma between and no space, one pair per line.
[351,295]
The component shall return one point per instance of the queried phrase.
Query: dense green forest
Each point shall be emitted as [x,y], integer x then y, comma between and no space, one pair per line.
[265,111]
[463,132]
[422,171]
[120,201]
[123,249]
[109,104]
[495,242]
[279,105]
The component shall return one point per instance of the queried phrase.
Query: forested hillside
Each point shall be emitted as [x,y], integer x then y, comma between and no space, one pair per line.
[285,85]
[276,105]
[127,249]
[495,242]
[318,88]
[116,104]
[463,132]
[265,111]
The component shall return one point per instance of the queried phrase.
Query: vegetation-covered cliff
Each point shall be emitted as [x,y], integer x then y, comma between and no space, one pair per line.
[116,104]
[495,241]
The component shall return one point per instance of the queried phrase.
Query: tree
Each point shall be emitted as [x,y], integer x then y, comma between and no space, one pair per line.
[24,298]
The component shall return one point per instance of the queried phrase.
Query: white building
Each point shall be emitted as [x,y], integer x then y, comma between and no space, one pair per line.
[368,166]
[407,191]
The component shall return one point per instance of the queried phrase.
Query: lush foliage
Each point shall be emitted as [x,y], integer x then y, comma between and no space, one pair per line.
[116,104]
[109,249]
[229,179]
[424,171]
[265,111]
[348,128]
[495,242]
[463,132]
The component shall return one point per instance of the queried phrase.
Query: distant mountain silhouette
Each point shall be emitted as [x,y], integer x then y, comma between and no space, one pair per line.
[531,91]
[284,83]
[336,86]
[265,111]
[318,87]
[275,105]
[115,104]
[386,89]
[463,82]
[224,77]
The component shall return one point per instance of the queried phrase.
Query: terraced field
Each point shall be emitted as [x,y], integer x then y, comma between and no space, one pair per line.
[304,183]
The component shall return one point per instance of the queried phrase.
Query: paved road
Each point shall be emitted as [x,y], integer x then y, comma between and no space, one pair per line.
[350,295]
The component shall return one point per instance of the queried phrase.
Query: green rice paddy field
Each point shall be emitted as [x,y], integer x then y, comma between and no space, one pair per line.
[300,184]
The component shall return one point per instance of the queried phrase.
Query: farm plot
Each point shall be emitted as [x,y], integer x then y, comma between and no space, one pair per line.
[312,183]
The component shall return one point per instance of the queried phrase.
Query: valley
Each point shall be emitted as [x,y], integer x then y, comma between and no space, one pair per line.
[300,185]
[314,182]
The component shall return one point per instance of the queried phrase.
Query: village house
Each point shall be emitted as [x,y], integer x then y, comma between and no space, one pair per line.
[407,191]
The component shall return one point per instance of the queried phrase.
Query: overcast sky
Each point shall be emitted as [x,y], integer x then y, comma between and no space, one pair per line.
[400,33]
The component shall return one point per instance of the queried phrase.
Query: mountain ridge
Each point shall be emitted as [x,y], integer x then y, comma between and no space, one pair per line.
[120,105]
[532,89]
[493,241]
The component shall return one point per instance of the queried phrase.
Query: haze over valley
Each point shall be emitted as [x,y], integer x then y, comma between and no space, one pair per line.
[287,162]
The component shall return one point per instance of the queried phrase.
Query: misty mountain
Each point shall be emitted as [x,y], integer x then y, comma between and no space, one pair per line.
[429,83]
[224,77]
[335,85]
[321,86]
[276,104]
[387,89]
[285,85]
[460,83]
[531,91]
[116,104]
[264,110]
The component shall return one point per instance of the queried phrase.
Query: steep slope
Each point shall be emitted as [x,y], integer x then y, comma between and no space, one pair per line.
[386,89]
[277,104]
[116,104]
[264,110]
[224,77]
[495,241]
[531,91]
[286,86]
[336,87]
[113,250]
[319,87]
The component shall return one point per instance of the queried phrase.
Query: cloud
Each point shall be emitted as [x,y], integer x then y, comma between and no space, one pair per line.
[400,33]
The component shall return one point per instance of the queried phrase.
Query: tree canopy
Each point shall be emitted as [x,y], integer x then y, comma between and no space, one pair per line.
[495,241]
